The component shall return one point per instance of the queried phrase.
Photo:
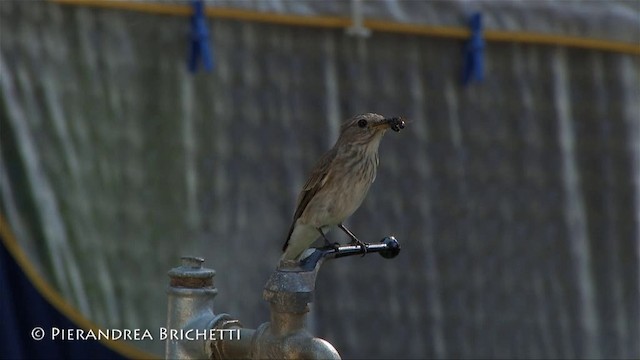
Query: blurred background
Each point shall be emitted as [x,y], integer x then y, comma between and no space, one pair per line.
[516,197]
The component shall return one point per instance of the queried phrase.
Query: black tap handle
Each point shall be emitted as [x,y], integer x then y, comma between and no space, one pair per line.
[388,248]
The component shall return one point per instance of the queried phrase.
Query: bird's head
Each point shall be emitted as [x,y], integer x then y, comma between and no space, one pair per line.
[365,128]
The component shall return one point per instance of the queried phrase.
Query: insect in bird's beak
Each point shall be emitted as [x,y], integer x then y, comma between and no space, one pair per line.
[395,123]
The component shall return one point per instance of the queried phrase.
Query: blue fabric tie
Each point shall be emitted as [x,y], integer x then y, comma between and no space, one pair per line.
[474,52]
[199,38]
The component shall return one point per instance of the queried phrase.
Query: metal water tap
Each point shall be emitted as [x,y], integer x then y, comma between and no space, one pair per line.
[289,291]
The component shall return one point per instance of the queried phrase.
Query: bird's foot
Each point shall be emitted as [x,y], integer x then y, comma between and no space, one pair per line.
[355,241]
[326,241]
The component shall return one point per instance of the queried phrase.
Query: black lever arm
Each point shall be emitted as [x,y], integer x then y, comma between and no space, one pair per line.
[388,248]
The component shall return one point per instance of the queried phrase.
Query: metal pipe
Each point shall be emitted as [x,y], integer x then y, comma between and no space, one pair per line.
[190,309]
[285,323]
[234,349]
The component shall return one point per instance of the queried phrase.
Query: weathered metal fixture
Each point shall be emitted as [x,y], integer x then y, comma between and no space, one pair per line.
[289,291]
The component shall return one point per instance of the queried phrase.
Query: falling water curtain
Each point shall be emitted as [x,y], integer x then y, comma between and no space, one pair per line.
[516,199]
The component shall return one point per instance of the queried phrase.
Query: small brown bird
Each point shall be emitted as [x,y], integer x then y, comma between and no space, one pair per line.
[338,182]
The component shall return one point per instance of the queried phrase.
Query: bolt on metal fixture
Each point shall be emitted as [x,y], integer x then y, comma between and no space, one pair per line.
[289,291]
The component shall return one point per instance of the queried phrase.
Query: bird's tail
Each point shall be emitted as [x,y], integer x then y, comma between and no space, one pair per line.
[301,238]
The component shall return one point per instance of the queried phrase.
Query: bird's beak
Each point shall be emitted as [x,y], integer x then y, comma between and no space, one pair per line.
[395,123]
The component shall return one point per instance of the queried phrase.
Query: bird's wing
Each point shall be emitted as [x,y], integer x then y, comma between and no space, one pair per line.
[316,181]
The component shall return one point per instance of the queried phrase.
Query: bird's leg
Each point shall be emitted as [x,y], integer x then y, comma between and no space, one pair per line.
[326,241]
[354,239]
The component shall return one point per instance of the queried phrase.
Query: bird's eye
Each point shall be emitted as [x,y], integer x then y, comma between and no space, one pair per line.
[362,123]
